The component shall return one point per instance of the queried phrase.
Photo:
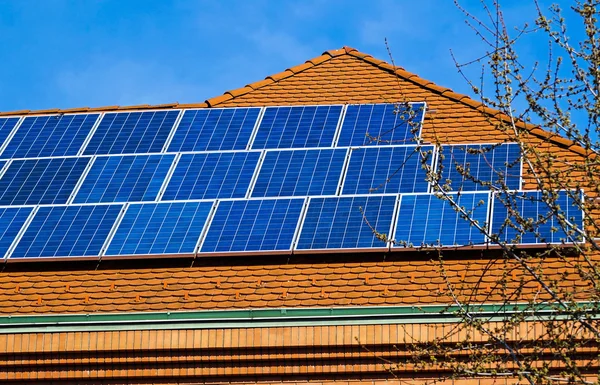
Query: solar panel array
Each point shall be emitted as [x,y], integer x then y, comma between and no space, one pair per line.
[228,181]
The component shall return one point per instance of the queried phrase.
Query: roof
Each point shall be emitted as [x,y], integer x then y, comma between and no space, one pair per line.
[338,76]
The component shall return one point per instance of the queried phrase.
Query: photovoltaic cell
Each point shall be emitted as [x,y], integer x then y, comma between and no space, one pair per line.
[6,127]
[11,222]
[124,178]
[212,175]
[67,231]
[387,170]
[253,225]
[160,228]
[381,124]
[429,221]
[347,222]
[132,132]
[214,129]
[297,126]
[40,181]
[54,135]
[487,164]
[300,172]
[537,221]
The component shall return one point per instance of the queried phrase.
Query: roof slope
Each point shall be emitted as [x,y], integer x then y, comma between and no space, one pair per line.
[336,77]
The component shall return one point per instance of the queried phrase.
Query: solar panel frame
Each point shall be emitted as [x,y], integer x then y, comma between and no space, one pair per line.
[445,205]
[354,135]
[102,135]
[148,182]
[264,132]
[7,245]
[516,147]
[51,146]
[244,144]
[319,230]
[184,156]
[569,208]
[286,175]
[20,194]
[389,182]
[116,210]
[210,204]
[301,201]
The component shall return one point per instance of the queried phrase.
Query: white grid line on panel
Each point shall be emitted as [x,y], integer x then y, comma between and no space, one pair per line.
[344,173]
[204,231]
[84,174]
[257,169]
[172,132]
[91,134]
[113,230]
[300,223]
[163,187]
[395,216]
[255,128]
[19,236]
[338,128]
[207,226]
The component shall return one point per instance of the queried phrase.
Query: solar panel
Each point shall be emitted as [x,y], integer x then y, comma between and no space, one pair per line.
[12,220]
[160,228]
[214,129]
[132,132]
[388,170]
[124,178]
[67,231]
[54,135]
[253,225]
[40,181]
[212,175]
[300,172]
[427,220]
[381,124]
[6,127]
[347,223]
[537,221]
[482,164]
[297,126]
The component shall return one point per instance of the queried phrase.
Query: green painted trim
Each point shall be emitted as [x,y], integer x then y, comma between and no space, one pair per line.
[280,314]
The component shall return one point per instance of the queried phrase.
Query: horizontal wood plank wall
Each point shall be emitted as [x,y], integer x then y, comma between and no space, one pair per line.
[232,355]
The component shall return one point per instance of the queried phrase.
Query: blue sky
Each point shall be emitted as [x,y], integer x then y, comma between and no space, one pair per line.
[62,54]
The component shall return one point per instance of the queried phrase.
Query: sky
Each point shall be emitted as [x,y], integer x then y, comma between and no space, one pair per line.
[64,54]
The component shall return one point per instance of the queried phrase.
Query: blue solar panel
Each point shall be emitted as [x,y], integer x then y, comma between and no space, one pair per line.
[214,129]
[298,126]
[11,222]
[381,124]
[429,221]
[387,170]
[537,221]
[67,231]
[6,127]
[253,225]
[54,135]
[40,181]
[300,172]
[212,175]
[347,223]
[487,164]
[124,178]
[132,132]
[160,228]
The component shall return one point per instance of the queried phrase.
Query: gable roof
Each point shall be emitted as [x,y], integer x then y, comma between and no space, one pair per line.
[339,76]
